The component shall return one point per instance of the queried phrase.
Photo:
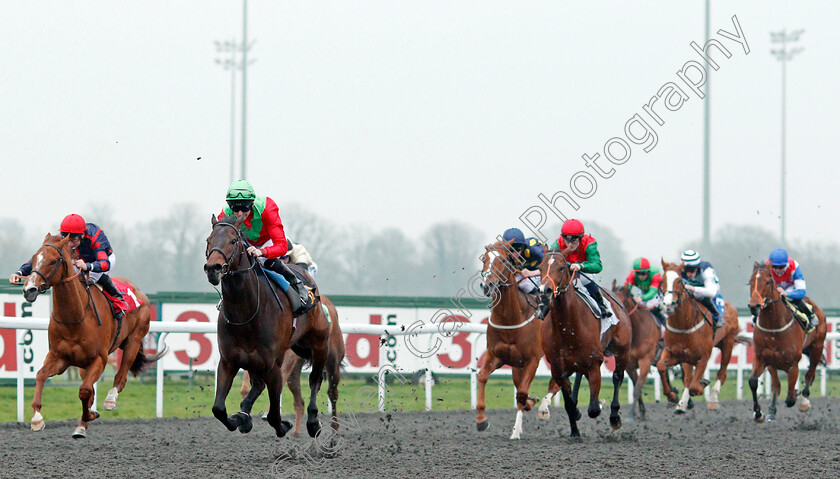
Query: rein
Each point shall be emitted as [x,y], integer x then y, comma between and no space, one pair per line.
[508,265]
[764,304]
[48,279]
[681,294]
[556,291]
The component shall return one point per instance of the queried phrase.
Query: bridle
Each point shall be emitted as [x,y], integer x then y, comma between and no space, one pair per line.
[504,257]
[228,273]
[555,289]
[765,303]
[47,279]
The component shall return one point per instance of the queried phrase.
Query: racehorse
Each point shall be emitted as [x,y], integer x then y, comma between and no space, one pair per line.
[571,339]
[292,365]
[255,329]
[689,338]
[646,334]
[82,330]
[779,343]
[512,334]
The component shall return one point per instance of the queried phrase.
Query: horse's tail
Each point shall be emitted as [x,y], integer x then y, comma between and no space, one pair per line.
[141,361]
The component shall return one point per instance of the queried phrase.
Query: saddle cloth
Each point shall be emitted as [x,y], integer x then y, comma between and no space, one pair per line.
[130,301]
[311,298]
[606,323]
[802,317]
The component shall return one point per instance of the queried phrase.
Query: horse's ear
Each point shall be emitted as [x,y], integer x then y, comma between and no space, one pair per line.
[213,220]
[682,265]
[663,262]
[62,242]
[614,284]
[756,266]
[545,249]
[48,237]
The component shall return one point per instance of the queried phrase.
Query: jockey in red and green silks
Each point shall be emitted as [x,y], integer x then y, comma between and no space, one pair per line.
[263,230]
[644,285]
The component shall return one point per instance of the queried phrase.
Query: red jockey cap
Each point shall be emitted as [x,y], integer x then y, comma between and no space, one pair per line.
[72,224]
[572,227]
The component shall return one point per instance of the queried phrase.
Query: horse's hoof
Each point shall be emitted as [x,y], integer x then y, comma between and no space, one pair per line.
[690,403]
[679,410]
[804,404]
[594,412]
[771,417]
[515,435]
[245,422]
[94,415]
[759,419]
[483,425]
[713,406]
[313,427]
[285,426]
[704,382]
[37,422]
[109,406]
[296,434]
[615,423]
[790,402]
[602,403]
[80,433]
[264,417]
[544,415]
[578,415]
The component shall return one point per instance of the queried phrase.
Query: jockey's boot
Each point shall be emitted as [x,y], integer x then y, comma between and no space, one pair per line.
[718,318]
[108,286]
[812,318]
[543,303]
[297,300]
[595,292]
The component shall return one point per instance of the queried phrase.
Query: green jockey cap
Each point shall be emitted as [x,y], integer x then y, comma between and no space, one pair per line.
[641,265]
[240,190]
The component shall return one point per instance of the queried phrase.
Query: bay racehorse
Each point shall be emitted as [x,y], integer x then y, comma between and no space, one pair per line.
[82,330]
[513,333]
[293,364]
[646,334]
[571,339]
[689,338]
[255,329]
[779,342]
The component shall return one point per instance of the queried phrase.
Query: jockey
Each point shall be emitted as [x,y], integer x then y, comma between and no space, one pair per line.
[528,278]
[584,257]
[95,256]
[297,254]
[702,282]
[519,243]
[646,280]
[791,283]
[264,233]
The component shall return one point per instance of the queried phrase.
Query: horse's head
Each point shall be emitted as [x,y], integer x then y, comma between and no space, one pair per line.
[762,288]
[672,288]
[555,273]
[497,267]
[50,265]
[225,248]
[623,293]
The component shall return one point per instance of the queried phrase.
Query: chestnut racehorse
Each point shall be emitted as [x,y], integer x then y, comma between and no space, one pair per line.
[255,330]
[82,330]
[292,365]
[513,333]
[646,334]
[689,338]
[571,338]
[779,342]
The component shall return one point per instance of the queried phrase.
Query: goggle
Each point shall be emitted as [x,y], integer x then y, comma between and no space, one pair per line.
[779,267]
[240,205]
[641,273]
[73,236]
[571,238]
[240,193]
[692,269]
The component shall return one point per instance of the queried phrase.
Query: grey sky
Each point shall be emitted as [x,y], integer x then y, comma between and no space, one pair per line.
[408,113]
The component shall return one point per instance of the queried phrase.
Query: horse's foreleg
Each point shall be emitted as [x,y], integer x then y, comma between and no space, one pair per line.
[593,377]
[618,380]
[334,378]
[793,376]
[292,380]
[576,387]
[274,384]
[522,378]
[89,377]
[666,361]
[246,385]
[316,378]
[52,366]
[638,385]
[257,387]
[758,369]
[725,356]
[696,387]
[814,352]
[132,347]
[553,389]
[490,364]
[570,404]
[224,380]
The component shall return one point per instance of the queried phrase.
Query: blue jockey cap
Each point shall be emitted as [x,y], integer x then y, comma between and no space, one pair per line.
[514,234]
[779,257]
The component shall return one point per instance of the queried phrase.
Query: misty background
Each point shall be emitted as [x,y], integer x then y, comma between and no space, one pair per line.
[399,138]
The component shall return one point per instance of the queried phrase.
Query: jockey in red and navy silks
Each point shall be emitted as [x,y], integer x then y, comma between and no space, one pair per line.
[791,282]
[263,230]
[95,256]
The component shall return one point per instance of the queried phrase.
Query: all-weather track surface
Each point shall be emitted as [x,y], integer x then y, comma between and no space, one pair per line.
[724,443]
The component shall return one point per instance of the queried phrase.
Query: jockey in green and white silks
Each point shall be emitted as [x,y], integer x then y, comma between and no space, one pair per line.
[702,283]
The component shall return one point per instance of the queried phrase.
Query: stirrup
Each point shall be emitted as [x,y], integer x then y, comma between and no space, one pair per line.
[812,326]
[120,314]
